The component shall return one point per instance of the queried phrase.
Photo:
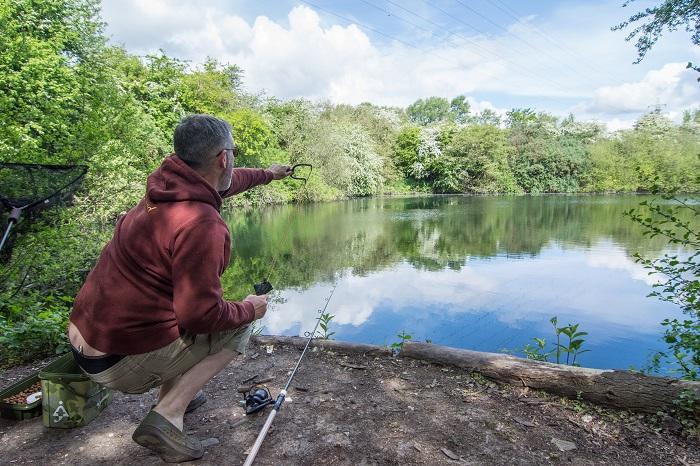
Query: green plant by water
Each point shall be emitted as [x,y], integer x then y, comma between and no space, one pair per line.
[572,349]
[404,337]
[325,323]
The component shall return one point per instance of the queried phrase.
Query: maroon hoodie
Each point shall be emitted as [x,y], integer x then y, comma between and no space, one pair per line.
[160,273]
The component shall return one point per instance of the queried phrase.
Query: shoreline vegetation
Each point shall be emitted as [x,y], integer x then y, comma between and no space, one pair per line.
[67,96]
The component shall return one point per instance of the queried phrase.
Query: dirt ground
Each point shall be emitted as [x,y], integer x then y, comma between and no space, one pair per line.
[364,410]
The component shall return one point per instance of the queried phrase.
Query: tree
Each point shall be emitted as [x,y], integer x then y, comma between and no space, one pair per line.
[49,52]
[488,117]
[405,149]
[483,154]
[250,134]
[670,14]
[459,109]
[428,111]
[212,89]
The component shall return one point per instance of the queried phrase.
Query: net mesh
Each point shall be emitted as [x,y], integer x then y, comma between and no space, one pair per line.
[27,188]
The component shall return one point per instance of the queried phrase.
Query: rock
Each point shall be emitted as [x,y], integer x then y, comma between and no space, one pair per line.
[524,422]
[586,418]
[210,442]
[449,453]
[563,445]
[337,440]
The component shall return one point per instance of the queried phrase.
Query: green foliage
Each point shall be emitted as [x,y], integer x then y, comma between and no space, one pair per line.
[687,409]
[459,109]
[48,52]
[212,88]
[325,323]
[572,349]
[67,96]
[428,111]
[670,14]
[405,150]
[33,327]
[251,134]
[403,338]
[539,352]
[482,157]
[677,221]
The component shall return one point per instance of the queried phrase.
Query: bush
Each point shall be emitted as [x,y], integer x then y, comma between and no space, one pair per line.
[34,327]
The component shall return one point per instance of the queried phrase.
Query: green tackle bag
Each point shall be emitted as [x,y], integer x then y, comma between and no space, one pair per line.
[69,397]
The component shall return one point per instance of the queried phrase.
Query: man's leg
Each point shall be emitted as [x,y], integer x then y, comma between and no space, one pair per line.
[166,387]
[174,401]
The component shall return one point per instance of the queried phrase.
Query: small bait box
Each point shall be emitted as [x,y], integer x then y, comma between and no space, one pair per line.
[19,411]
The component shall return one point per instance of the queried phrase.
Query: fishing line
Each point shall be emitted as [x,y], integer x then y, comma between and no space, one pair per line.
[264,286]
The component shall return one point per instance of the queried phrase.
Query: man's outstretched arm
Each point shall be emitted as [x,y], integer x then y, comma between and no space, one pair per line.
[246,178]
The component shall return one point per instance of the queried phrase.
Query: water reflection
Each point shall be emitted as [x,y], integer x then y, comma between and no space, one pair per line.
[484,273]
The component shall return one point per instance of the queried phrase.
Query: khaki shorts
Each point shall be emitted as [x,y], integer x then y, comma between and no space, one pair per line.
[138,373]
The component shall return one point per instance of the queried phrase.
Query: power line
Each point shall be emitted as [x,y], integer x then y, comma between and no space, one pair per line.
[446,13]
[521,39]
[450,60]
[353,21]
[512,13]
[476,45]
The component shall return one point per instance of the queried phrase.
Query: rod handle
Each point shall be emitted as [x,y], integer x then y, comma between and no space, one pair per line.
[261,436]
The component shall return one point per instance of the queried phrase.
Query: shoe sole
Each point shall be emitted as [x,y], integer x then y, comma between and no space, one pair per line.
[169,451]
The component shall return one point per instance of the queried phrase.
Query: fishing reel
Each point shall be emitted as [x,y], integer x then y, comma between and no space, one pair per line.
[264,287]
[257,398]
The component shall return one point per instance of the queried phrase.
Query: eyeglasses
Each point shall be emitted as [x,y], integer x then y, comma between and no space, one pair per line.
[234,150]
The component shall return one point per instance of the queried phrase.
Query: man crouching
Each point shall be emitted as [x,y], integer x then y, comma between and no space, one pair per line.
[152,313]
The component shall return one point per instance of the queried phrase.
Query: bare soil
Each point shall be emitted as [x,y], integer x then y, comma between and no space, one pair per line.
[364,410]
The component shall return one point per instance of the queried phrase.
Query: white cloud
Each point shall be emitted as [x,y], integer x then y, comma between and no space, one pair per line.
[673,85]
[357,297]
[512,291]
[616,124]
[568,53]
[618,260]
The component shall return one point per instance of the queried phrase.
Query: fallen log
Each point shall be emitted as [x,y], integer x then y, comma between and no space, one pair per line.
[614,388]
[332,345]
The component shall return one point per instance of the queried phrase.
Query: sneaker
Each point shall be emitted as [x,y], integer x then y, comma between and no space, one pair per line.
[172,445]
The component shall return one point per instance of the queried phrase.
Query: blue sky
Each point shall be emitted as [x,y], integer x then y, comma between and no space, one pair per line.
[556,56]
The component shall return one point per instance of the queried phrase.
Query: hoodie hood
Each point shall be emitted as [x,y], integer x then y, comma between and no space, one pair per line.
[175,181]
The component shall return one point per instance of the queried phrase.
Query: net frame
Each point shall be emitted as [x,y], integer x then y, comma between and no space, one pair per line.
[17,206]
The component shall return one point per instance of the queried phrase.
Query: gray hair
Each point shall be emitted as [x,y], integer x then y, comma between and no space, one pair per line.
[198,138]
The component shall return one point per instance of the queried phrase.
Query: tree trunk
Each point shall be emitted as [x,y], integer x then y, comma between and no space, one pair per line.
[333,345]
[619,389]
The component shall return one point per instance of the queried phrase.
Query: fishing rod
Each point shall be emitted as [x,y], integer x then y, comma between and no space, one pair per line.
[283,393]
[265,286]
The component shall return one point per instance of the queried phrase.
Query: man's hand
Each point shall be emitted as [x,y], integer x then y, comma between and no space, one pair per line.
[280,171]
[259,303]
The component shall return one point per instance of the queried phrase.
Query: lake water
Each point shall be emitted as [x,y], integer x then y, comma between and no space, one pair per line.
[483,273]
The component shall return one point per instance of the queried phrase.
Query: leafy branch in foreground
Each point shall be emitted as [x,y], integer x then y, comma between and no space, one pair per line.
[670,14]
[678,221]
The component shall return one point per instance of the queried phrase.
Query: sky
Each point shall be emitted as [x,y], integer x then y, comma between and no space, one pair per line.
[555,56]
